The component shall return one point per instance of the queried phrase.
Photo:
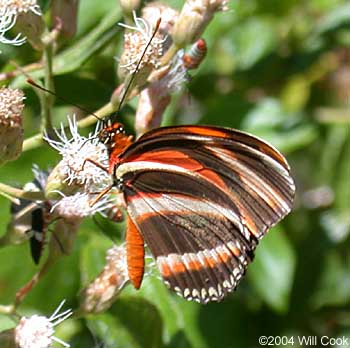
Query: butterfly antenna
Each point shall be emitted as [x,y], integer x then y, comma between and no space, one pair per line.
[33,83]
[125,94]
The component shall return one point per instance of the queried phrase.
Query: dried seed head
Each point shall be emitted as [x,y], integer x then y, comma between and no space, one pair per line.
[76,171]
[11,129]
[101,292]
[135,41]
[38,331]
[194,17]
[11,103]
[28,15]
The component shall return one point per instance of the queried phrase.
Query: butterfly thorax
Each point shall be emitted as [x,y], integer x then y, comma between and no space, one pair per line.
[116,141]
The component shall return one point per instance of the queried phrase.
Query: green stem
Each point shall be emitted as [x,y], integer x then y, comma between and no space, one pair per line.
[18,193]
[37,139]
[9,309]
[169,54]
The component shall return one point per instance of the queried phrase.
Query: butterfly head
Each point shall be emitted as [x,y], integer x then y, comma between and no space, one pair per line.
[114,137]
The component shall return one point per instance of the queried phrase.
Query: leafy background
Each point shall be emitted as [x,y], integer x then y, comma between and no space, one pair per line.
[277,69]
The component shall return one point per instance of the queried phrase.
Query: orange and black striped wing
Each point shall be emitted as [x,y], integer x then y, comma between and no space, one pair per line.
[202,197]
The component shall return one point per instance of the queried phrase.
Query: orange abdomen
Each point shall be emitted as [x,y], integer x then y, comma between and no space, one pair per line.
[135,252]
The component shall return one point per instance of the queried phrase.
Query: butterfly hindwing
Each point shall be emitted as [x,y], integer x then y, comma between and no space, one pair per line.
[202,197]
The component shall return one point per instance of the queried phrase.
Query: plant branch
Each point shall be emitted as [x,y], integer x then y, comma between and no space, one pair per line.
[169,54]
[37,139]
[18,193]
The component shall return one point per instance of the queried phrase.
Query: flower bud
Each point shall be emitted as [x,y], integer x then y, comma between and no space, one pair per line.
[150,110]
[11,128]
[57,183]
[193,19]
[129,6]
[101,292]
[154,99]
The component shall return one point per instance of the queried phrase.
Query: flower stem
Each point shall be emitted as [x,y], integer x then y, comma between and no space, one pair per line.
[20,70]
[37,139]
[18,193]
[9,309]
[104,111]
[169,54]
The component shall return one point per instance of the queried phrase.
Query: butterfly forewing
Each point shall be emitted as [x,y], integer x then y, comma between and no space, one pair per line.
[202,197]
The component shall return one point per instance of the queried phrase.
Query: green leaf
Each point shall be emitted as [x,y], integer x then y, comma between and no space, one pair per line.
[163,301]
[334,285]
[76,55]
[250,47]
[91,12]
[333,19]
[290,140]
[272,271]
[275,125]
[267,114]
[93,256]
[131,322]
[178,315]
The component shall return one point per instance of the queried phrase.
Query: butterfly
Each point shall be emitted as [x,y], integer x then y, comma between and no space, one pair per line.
[201,198]
[33,218]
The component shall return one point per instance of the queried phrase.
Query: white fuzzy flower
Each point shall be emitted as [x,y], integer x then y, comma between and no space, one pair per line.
[38,331]
[81,158]
[135,42]
[9,11]
[80,205]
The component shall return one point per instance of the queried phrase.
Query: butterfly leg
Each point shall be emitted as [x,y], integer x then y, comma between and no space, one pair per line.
[97,164]
[100,195]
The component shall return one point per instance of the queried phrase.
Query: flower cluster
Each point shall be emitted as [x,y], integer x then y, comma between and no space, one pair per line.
[160,63]
[101,292]
[78,178]
[38,331]
[11,129]
[135,42]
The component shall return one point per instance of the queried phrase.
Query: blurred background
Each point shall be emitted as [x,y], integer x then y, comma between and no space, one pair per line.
[277,69]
